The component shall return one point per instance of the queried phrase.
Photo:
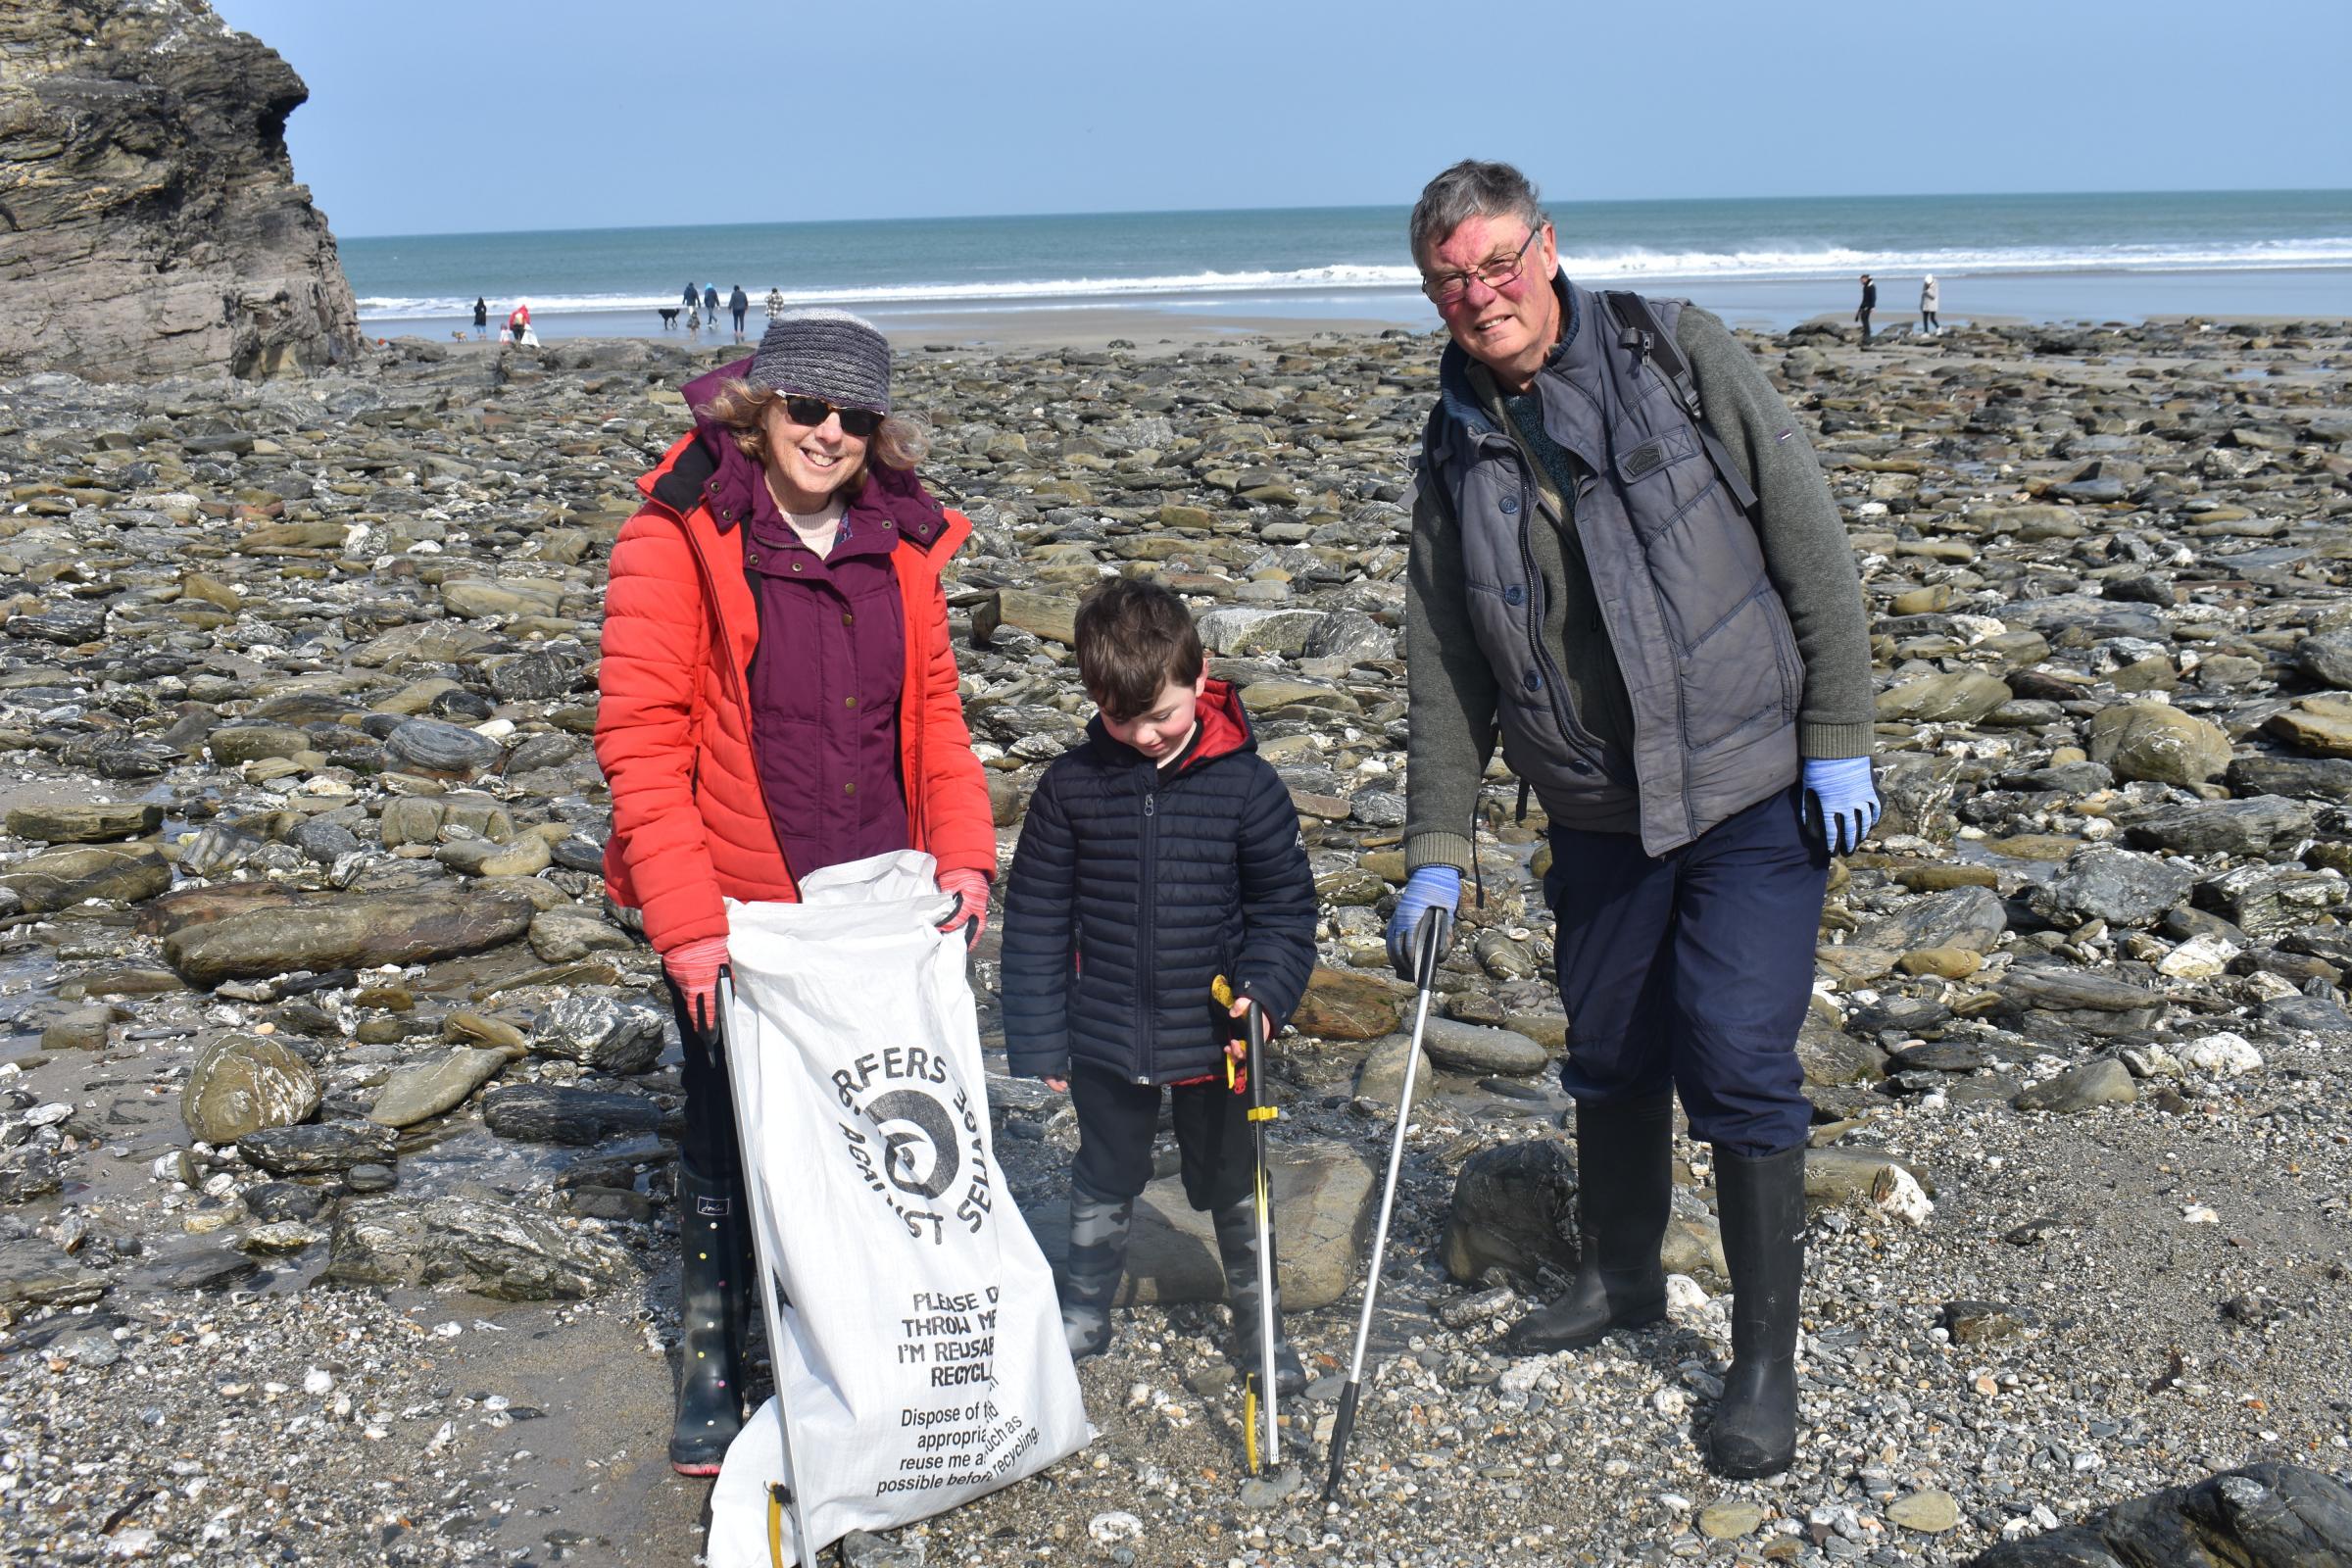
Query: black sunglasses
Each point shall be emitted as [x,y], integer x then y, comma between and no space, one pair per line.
[860,422]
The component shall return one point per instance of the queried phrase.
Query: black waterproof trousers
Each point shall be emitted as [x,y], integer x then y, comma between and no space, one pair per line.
[1117,1122]
[708,1141]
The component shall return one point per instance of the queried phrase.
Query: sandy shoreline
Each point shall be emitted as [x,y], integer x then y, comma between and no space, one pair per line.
[1765,304]
[1143,331]
[1151,332]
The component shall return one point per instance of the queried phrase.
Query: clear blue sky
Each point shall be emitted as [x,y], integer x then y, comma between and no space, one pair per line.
[434,116]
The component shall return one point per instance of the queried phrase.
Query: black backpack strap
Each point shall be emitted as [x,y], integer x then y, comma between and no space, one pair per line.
[1640,332]
[1426,474]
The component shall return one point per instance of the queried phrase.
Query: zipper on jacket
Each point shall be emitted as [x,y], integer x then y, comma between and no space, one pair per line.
[718,620]
[1536,639]
[1535,607]
[1682,723]
[1151,887]
[916,789]
[736,679]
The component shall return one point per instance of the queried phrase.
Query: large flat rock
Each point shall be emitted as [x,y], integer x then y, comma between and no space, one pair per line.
[491,1247]
[424,1090]
[2265,1515]
[1323,1199]
[334,931]
[1477,1048]
[60,878]
[90,822]
[1347,1005]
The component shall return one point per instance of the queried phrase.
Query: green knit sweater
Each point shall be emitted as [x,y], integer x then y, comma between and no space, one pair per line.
[1807,554]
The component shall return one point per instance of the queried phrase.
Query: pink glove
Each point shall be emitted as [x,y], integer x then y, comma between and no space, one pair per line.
[970,892]
[695,968]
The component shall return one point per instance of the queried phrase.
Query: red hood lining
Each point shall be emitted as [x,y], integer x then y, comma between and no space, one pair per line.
[1222,728]
[1224,724]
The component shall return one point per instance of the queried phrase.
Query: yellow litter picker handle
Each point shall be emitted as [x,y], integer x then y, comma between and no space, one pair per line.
[1222,989]
[1257,1030]
[1258,1025]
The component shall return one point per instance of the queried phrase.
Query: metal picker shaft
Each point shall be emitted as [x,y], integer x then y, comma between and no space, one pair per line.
[747,1111]
[1253,1033]
[1428,944]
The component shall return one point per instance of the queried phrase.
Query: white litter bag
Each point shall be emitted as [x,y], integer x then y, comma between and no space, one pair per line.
[921,1354]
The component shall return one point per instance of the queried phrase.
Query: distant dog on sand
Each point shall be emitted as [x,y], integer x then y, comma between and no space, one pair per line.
[460,336]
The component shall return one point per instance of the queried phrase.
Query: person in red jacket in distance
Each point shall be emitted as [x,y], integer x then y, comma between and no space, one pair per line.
[778,694]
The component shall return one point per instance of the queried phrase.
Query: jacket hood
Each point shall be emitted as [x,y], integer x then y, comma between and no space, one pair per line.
[1222,728]
[706,466]
[700,391]
[1458,402]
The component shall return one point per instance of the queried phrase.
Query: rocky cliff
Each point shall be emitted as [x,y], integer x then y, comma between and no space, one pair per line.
[150,222]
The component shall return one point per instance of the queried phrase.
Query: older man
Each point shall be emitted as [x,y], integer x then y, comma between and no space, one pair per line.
[1624,561]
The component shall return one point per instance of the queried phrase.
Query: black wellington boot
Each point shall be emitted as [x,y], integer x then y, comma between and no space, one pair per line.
[1237,1246]
[1090,1278]
[1762,1203]
[714,1286]
[1625,1189]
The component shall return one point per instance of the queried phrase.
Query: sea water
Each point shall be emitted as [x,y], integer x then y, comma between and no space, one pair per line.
[1770,261]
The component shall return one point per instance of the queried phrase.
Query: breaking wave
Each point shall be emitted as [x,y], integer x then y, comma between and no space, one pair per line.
[1595,267]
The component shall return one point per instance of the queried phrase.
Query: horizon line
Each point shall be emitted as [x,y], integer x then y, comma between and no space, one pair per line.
[1338,207]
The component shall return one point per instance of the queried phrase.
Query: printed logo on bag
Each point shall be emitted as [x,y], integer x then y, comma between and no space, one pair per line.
[714,1207]
[918,1141]
[912,1148]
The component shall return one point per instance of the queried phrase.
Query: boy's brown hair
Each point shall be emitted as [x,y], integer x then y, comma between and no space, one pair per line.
[1135,638]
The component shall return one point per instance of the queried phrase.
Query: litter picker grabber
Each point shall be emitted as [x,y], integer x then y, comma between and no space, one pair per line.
[787,1493]
[1428,944]
[1260,1394]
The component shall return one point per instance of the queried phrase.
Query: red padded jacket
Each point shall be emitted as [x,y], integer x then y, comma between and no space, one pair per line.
[673,728]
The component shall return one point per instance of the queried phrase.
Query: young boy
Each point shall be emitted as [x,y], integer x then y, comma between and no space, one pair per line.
[1159,854]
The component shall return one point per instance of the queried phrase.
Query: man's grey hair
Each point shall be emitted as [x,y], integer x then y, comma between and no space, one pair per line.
[1471,190]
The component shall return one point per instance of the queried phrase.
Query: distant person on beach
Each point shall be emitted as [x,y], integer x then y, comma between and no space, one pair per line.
[1928,297]
[1624,561]
[519,325]
[691,298]
[1869,303]
[711,305]
[775,303]
[694,321]
[481,318]
[792,509]
[739,305]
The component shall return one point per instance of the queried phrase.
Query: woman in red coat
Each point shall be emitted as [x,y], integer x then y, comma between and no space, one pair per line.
[778,695]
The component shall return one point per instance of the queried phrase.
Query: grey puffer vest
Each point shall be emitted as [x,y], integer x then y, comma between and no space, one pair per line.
[1711,668]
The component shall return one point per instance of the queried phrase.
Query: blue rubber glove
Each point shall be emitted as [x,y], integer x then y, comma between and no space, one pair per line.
[1841,804]
[1428,887]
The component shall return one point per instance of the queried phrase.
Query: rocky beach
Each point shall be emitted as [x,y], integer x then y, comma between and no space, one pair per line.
[336,1106]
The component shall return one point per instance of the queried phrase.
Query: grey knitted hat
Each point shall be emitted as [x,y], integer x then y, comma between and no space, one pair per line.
[833,355]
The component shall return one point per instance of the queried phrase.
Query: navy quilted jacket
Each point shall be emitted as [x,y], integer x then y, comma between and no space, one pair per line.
[1134,886]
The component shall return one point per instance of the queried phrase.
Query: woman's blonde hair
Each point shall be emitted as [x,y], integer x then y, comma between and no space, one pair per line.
[900,442]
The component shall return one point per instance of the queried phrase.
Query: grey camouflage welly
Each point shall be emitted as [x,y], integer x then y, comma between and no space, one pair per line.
[1237,1246]
[1090,1278]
